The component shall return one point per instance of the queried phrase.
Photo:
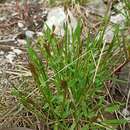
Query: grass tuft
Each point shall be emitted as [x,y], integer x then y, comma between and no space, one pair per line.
[71,79]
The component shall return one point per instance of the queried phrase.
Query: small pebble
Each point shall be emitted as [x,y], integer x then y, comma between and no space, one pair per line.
[20,25]
[1,53]
[21,41]
[125,112]
[39,33]
[29,34]
[11,57]
[118,19]
[17,51]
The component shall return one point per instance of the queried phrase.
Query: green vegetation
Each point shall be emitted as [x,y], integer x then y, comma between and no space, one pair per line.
[72,78]
[72,96]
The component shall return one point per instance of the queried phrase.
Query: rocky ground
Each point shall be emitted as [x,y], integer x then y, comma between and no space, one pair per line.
[17,22]
[15,26]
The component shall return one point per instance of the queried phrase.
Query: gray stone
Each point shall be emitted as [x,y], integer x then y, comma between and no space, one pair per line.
[58,17]
[118,19]
[29,34]
[20,25]
[126,112]
[10,57]
[97,7]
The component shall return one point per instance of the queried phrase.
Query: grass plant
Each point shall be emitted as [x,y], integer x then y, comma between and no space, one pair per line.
[71,80]
[70,74]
